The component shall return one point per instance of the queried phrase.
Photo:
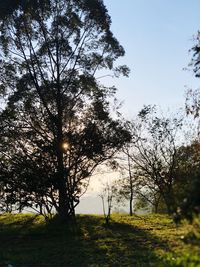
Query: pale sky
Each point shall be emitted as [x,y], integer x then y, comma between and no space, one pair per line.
[157,35]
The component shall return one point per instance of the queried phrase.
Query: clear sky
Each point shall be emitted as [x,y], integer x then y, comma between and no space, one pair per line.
[157,35]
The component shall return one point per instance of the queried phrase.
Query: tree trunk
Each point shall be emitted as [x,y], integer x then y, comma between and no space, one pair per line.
[64,197]
[63,209]
[131,186]
[131,205]
[170,203]
[156,202]
[156,207]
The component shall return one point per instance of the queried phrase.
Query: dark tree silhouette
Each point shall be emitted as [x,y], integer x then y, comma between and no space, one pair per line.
[56,124]
[187,181]
[153,156]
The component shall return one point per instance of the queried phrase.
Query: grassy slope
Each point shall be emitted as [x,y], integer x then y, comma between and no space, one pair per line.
[26,241]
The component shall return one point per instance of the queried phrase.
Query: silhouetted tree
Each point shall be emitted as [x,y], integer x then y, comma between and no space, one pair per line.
[153,155]
[56,125]
[187,181]
[132,186]
[188,169]
[128,185]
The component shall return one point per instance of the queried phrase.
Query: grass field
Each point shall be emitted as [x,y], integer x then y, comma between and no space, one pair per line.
[153,240]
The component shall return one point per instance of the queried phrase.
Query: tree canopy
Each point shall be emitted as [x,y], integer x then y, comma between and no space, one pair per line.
[56,124]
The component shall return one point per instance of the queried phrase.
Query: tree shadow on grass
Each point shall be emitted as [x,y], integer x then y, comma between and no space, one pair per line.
[90,243]
[121,244]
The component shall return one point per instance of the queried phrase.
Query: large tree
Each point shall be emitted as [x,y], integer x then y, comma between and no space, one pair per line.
[56,125]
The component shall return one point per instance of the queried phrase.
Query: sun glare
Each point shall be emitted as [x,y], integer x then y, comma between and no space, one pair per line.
[65,146]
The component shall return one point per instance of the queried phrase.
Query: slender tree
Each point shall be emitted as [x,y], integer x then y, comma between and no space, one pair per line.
[127,185]
[107,196]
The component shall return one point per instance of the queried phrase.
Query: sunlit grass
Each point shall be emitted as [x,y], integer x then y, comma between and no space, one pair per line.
[153,240]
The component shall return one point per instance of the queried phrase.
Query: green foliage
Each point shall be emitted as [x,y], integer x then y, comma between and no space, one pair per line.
[187,181]
[141,203]
[184,261]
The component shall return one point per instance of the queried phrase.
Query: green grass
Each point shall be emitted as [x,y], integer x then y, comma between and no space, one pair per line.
[153,240]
